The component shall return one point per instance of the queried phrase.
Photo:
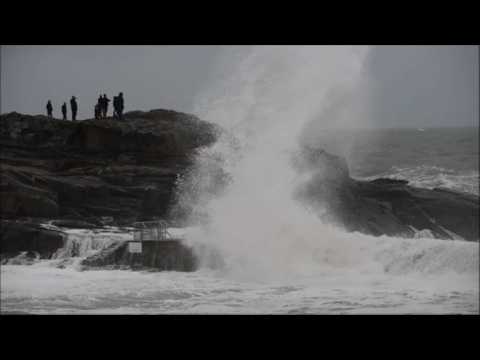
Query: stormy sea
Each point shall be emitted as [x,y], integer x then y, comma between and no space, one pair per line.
[273,254]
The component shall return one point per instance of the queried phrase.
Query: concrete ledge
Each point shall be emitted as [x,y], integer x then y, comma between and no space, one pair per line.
[168,255]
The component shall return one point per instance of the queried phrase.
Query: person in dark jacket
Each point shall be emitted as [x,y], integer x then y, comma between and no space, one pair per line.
[49,108]
[120,106]
[115,107]
[64,111]
[100,106]
[74,107]
[105,106]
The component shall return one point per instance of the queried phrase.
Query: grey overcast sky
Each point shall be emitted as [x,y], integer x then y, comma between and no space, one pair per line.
[412,86]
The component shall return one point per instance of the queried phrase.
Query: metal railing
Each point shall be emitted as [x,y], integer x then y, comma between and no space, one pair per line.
[150,231]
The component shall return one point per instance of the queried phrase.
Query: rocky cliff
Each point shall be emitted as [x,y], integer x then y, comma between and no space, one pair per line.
[94,169]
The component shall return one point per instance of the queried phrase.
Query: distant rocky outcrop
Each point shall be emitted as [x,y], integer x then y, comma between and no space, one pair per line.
[385,206]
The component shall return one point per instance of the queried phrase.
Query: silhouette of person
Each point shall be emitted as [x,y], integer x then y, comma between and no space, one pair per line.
[64,111]
[100,105]
[105,106]
[74,107]
[120,106]
[49,108]
[115,107]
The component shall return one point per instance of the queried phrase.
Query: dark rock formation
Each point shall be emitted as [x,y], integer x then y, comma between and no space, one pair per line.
[385,206]
[93,173]
[125,170]
[17,237]
[160,255]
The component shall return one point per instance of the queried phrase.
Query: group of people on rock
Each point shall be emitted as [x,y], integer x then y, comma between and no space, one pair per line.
[73,107]
[101,108]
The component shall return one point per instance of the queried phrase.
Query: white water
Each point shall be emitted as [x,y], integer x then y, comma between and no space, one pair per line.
[256,224]
[442,280]
[279,257]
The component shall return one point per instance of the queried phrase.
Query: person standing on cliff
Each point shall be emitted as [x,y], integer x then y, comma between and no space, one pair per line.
[64,111]
[105,106]
[115,107]
[120,106]
[100,105]
[49,108]
[74,107]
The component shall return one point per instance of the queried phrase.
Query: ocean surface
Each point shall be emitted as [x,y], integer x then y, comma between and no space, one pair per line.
[428,158]
[370,275]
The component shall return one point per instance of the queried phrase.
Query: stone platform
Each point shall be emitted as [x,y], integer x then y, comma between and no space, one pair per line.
[166,255]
